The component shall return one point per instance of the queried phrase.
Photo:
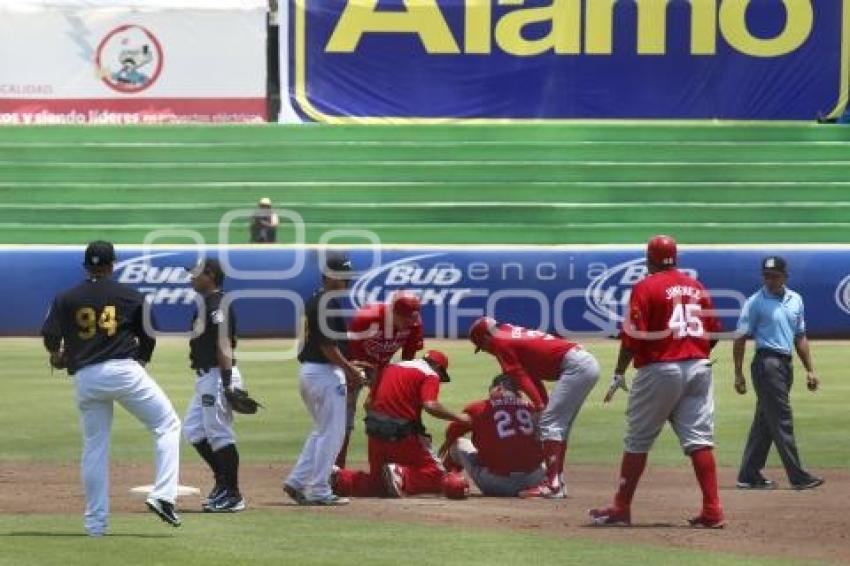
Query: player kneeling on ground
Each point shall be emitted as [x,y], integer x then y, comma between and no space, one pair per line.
[400,460]
[504,456]
[531,357]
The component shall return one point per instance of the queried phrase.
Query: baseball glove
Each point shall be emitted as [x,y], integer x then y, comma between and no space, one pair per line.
[59,360]
[241,402]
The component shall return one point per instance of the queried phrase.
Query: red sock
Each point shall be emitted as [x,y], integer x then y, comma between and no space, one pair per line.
[554,452]
[706,472]
[343,452]
[631,469]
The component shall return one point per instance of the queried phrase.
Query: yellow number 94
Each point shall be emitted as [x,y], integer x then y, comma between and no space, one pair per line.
[89,321]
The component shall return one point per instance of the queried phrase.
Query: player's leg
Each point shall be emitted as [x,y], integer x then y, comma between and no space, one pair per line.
[756,449]
[218,425]
[693,422]
[329,411]
[146,401]
[579,375]
[301,473]
[656,389]
[96,424]
[419,468]
[193,430]
[362,483]
[350,417]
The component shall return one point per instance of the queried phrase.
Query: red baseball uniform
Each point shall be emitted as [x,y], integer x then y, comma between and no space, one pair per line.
[668,320]
[530,357]
[503,433]
[370,341]
[403,389]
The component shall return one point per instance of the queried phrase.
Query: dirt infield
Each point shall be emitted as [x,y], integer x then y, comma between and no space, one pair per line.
[782,523]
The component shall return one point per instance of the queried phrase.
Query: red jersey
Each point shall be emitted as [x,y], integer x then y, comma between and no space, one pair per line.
[403,389]
[503,433]
[529,357]
[370,342]
[670,315]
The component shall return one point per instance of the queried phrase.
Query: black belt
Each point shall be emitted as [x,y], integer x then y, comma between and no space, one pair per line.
[201,371]
[769,352]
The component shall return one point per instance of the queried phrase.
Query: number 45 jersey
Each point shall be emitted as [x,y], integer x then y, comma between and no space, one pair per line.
[98,320]
[503,432]
[670,318]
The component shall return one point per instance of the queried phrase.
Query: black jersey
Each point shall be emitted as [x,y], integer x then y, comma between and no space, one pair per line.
[313,336]
[203,348]
[96,321]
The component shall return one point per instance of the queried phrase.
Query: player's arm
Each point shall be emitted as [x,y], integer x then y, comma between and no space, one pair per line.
[801,344]
[330,347]
[440,411]
[224,349]
[739,345]
[528,386]
[362,326]
[51,332]
[147,343]
[414,342]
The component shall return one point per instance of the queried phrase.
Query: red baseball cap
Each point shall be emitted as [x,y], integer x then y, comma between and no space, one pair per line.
[661,251]
[440,360]
[405,304]
[482,327]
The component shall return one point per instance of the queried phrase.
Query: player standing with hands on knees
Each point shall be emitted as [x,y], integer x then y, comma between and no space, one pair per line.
[325,376]
[530,357]
[774,317]
[668,332]
[96,331]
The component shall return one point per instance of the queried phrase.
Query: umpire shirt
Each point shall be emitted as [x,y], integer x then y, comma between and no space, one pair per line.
[774,321]
[98,320]
[203,348]
[314,336]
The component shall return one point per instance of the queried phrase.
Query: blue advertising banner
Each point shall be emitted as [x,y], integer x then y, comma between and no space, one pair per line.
[432,60]
[565,290]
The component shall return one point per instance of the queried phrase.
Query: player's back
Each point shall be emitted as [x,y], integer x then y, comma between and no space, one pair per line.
[100,320]
[671,318]
[503,432]
[402,389]
[539,353]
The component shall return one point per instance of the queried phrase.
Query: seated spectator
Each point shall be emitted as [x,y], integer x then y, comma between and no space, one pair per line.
[264,223]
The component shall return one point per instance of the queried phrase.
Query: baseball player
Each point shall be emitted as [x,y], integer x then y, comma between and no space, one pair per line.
[531,357]
[400,460]
[324,378]
[668,334]
[208,424]
[95,330]
[504,456]
[376,333]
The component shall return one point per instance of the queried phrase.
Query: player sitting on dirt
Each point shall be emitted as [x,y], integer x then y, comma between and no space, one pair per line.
[504,456]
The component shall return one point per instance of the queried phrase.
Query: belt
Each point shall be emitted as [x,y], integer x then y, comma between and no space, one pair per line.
[773,354]
[201,371]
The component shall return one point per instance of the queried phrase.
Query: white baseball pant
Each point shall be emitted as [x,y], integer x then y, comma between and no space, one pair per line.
[464,453]
[209,415]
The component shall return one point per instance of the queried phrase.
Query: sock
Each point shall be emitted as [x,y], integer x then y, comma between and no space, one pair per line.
[343,452]
[553,453]
[631,469]
[706,472]
[228,460]
[206,452]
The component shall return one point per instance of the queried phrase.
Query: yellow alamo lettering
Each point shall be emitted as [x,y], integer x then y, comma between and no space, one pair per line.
[425,19]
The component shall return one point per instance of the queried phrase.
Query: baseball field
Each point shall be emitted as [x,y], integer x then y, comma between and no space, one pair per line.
[41,497]
[538,185]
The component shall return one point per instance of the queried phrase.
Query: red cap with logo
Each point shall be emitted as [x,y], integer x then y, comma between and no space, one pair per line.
[405,304]
[441,361]
[481,328]
[661,251]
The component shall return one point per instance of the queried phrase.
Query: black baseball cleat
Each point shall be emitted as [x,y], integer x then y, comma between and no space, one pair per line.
[229,502]
[811,483]
[214,494]
[295,494]
[164,510]
[761,483]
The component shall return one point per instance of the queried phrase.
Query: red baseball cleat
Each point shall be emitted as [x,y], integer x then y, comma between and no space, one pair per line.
[611,516]
[545,490]
[704,521]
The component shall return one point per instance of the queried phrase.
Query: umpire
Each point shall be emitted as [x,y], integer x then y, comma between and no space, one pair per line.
[774,317]
[95,330]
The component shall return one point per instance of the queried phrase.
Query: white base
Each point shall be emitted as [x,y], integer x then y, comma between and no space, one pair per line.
[143,491]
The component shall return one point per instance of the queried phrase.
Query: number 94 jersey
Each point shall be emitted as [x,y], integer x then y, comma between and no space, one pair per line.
[98,320]
[670,318]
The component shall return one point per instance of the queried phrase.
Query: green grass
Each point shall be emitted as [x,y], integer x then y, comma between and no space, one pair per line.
[315,538]
[541,184]
[276,434]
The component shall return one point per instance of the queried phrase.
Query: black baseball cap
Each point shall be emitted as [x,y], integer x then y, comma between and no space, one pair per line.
[774,263]
[208,266]
[98,253]
[338,266]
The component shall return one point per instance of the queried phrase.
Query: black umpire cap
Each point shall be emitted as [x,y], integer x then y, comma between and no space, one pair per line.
[338,266]
[98,253]
[774,263]
[208,266]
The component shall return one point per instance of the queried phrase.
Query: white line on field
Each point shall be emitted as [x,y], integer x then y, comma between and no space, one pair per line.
[405,163]
[416,143]
[424,204]
[385,184]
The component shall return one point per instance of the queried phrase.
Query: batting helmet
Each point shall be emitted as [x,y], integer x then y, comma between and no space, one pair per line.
[455,486]
[405,304]
[480,329]
[661,251]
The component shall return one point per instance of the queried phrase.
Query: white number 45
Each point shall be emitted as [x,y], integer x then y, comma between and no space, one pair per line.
[685,321]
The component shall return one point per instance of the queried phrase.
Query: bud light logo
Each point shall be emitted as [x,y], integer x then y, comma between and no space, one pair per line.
[164,285]
[433,283]
[842,295]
